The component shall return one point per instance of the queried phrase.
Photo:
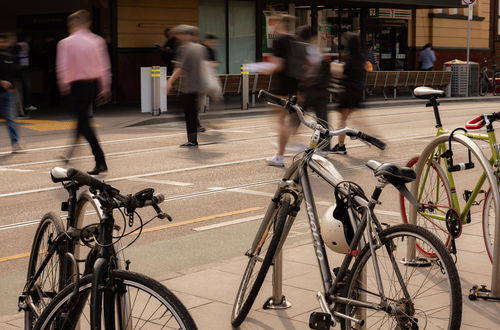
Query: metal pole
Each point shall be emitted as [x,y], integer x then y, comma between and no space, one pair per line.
[469,18]
[278,300]
[155,75]
[244,88]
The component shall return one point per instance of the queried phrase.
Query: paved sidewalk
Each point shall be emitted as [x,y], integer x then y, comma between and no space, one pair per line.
[209,291]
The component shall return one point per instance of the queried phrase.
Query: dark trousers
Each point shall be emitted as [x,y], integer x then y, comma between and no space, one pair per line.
[190,106]
[81,97]
[318,101]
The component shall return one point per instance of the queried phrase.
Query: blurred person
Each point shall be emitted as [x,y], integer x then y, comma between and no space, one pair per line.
[370,57]
[353,79]
[188,64]
[168,50]
[210,42]
[83,68]
[426,58]
[23,61]
[288,59]
[313,89]
[8,75]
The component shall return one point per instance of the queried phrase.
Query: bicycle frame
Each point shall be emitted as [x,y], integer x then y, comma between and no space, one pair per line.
[296,182]
[490,137]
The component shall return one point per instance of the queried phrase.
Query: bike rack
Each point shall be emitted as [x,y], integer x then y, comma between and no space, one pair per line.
[277,301]
[476,292]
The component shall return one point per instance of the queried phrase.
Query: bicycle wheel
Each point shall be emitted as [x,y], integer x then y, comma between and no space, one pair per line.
[434,192]
[140,302]
[489,224]
[434,298]
[260,261]
[484,85]
[49,283]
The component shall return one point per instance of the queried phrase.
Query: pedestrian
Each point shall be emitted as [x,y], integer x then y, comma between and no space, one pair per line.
[353,78]
[83,70]
[188,63]
[8,75]
[23,52]
[289,60]
[370,57]
[168,50]
[214,90]
[426,58]
[313,89]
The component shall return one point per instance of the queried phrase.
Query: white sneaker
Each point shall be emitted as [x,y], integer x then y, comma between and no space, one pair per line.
[17,148]
[275,161]
[31,108]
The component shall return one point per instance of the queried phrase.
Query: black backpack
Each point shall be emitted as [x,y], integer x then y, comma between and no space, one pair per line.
[296,60]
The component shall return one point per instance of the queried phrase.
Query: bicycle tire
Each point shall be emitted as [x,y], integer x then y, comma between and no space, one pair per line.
[52,225]
[484,85]
[124,281]
[247,293]
[488,223]
[426,301]
[435,192]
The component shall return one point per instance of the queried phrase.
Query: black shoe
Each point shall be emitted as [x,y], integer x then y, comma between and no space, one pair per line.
[339,150]
[189,145]
[98,169]
[201,129]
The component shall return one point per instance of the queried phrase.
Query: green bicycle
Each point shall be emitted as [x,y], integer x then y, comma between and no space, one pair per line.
[436,188]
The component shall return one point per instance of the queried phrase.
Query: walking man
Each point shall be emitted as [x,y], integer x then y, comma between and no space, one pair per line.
[189,60]
[83,68]
[8,74]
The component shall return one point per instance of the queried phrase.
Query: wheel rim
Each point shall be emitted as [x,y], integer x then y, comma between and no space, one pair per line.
[430,289]
[137,311]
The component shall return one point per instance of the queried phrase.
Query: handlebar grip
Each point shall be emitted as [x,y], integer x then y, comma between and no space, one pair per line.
[272,98]
[475,123]
[372,140]
[158,199]
[85,179]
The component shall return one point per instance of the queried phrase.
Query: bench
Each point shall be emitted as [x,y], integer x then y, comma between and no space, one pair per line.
[406,79]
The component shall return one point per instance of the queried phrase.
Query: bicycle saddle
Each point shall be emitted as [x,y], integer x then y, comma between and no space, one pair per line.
[424,92]
[392,173]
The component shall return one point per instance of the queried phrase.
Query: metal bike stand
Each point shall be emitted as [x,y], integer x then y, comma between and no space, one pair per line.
[476,291]
[277,301]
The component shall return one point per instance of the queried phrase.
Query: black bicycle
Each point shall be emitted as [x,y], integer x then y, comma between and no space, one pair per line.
[109,297]
[48,270]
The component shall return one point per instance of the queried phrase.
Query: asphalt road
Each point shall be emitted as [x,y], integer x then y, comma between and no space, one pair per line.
[216,194]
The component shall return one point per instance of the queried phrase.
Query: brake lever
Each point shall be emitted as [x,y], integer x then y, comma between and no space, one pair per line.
[161,214]
[354,137]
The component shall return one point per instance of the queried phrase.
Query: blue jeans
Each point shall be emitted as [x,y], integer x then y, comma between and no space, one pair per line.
[7,109]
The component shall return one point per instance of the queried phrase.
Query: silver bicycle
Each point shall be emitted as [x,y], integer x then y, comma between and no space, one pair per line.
[383,282]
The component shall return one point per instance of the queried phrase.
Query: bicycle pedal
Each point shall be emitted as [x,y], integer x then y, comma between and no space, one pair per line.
[320,321]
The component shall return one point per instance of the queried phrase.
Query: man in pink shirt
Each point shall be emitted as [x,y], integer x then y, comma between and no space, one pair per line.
[83,69]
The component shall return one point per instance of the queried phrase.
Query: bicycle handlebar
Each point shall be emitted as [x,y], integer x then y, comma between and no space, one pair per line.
[292,107]
[479,121]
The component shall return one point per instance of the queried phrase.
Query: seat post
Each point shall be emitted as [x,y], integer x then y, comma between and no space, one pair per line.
[434,104]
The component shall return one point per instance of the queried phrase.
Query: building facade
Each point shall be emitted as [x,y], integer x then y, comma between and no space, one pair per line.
[396,29]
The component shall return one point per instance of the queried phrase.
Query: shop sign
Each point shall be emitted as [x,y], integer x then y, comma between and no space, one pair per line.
[271,18]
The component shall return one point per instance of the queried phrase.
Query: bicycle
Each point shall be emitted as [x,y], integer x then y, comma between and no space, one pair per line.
[436,188]
[108,296]
[394,292]
[48,269]
[488,80]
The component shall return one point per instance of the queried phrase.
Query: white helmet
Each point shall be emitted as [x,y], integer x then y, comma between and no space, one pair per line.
[336,229]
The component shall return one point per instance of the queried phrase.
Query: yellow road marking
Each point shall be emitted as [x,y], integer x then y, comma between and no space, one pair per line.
[170,225]
[48,125]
